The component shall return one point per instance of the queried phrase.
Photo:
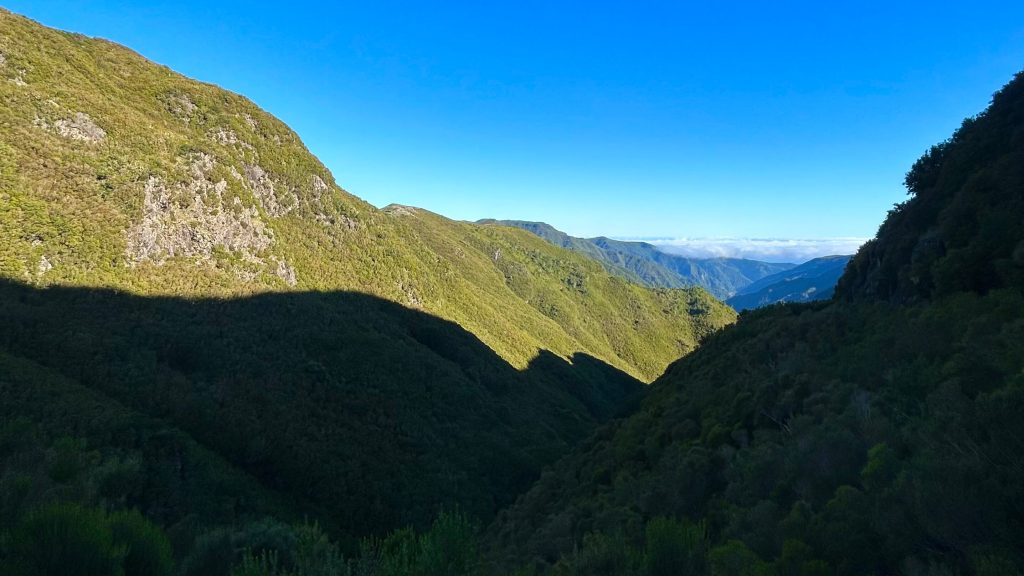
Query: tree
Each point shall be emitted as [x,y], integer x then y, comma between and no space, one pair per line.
[64,539]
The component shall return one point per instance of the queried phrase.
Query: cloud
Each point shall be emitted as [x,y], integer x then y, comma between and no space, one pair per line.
[794,250]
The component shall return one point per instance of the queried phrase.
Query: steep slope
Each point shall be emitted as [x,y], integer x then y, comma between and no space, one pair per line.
[875,434]
[174,250]
[629,326]
[74,442]
[644,263]
[376,413]
[117,172]
[813,280]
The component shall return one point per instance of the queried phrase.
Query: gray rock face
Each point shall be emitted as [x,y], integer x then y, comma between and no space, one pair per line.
[399,210]
[251,122]
[80,127]
[228,137]
[44,266]
[285,272]
[190,219]
[276,204]
[319,186]
[181,106]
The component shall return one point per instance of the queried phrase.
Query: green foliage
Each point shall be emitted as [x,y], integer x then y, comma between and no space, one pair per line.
[669,547]
[316,555]
[373,392]
[148,551]
[195,313]
[870,435]
[448,548]
[599,555]
[263,564]
[70,539]
[673,547]
[63,539]
[733,558]
[428,362]
[193,140]
[961,229]
[259,545]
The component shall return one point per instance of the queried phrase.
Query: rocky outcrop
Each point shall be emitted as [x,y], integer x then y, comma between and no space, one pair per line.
[285,272]
[44,266]
[400,210]
[181,106]
[228,137]
[190,219]
[275,203]
[80,127]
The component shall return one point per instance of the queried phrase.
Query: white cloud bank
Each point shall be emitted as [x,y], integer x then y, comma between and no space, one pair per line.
[765,249]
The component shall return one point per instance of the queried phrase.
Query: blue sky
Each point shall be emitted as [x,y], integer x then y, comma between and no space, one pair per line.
[631,119]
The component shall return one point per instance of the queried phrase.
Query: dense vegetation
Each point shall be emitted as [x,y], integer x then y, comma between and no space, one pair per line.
[199,325]
[645,264]
[163,411]
[876,434]
[813,280]
[120,173]
[374,412]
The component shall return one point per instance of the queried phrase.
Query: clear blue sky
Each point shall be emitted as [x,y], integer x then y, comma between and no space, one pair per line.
[659,119]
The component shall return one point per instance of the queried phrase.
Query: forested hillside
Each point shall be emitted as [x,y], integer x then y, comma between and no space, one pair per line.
[118,172]
[200,325]
[875,434]
[215,361]
[644,263]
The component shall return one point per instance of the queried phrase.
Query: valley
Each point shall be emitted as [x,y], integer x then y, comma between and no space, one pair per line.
[215,360]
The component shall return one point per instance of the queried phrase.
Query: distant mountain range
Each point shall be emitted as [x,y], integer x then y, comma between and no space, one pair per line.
[813,280]
[645,264]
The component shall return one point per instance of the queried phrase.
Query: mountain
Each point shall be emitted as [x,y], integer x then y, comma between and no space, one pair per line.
[122,174]
[197,322]
[813,280]
[644,263]
[877,433]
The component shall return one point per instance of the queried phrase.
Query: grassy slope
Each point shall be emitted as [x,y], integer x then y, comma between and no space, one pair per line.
[877,433]
[79,205]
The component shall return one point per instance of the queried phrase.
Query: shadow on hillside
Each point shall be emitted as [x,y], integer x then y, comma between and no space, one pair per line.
[375,412]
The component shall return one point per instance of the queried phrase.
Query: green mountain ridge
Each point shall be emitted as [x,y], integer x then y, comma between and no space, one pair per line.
[645,264]
[878,433]
[173,259]
[200,325]
[119,173]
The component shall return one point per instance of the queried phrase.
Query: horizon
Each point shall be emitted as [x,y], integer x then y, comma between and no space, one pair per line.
[703,131]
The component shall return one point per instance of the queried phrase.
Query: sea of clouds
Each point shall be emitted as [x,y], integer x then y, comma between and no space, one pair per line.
[765,249]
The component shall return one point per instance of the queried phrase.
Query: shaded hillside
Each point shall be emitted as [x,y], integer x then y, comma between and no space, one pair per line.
[118,172]
[960,230]
[644,263]
[199,323]
[813,280]
[875,434]
[376,414]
